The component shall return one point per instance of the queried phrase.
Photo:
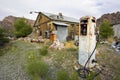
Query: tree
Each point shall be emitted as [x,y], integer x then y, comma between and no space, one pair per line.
[106,30]
[3,39]
[22,28]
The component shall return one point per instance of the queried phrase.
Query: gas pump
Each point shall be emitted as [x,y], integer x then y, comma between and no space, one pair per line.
[87,43]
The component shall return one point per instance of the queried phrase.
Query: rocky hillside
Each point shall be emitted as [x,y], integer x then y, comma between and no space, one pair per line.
[8,22]
[114,18]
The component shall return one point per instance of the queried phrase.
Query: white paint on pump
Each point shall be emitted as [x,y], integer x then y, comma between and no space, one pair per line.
[87,41]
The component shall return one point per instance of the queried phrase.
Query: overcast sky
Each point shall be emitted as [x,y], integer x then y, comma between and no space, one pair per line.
[72,8]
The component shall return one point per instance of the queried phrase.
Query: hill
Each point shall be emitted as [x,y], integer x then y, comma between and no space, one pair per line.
[114,18]
[8,22]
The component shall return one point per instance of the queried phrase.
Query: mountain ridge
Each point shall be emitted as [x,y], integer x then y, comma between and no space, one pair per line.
[114,18]
[8,22]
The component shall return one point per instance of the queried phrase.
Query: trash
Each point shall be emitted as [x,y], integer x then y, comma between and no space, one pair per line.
[116,46]
[57,45]
[117,50]
[76,42]
[104,42]
[113,45]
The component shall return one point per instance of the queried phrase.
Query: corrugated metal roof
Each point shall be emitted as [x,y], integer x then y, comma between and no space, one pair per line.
[60,18]
[60,23]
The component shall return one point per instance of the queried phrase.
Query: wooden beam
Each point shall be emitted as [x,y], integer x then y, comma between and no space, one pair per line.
[42,23]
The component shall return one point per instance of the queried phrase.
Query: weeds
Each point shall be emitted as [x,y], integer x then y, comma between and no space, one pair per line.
[62,75]
[72,49]
[63,60]
[3,49]
[91,76]
[37,69]
[44,51]
[74,76]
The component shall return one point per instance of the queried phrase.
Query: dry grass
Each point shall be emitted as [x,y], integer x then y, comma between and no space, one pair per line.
[110,62]
[59,60]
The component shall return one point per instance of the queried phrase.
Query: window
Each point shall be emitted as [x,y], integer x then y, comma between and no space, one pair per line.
[93,20]
[83,29]
[84,21]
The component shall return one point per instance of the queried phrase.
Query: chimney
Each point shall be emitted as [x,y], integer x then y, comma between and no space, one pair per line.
[60,16]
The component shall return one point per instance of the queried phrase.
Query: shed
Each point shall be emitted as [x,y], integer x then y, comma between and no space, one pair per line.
[56,26]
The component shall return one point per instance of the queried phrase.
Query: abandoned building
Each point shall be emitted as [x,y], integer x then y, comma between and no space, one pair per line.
[116,29]
[55,27]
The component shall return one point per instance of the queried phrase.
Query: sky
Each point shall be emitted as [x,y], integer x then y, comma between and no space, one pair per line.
[71,8]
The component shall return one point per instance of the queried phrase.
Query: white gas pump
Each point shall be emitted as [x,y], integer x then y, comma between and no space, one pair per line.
[87,41]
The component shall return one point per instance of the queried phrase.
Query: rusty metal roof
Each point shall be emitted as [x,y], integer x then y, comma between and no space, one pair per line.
[60,18]
[60,23]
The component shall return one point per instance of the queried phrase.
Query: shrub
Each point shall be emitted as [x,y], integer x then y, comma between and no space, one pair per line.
[3,40]
[74,76]
[106,30]
[37,69]
[44,50]
[22,28]
[63,75]
[90,76]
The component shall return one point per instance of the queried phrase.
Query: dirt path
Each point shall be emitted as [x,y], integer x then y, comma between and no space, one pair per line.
[13,61]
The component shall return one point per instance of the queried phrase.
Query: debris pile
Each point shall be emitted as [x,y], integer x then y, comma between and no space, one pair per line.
[70,44]
[38,40]
[116,46]
[57,45]
[27,39]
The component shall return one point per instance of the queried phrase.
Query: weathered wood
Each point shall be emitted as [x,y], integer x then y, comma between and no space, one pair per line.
[43,23]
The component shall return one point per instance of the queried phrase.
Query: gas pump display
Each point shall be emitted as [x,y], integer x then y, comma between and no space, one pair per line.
[83,29]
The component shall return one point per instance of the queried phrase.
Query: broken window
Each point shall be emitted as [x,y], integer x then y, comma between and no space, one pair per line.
[47,35]
[84,21]
[93,20]
[83,29]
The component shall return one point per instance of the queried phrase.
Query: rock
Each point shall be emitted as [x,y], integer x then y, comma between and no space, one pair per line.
[34,40]
[27,39]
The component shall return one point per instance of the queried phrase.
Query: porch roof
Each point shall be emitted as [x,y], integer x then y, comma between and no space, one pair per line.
[60,23]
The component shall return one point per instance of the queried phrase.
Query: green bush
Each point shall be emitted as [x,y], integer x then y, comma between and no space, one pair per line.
[63,75]
[106,30]
[37,69]
[74,76]
[90,76]
[3,39]
[44,50]
[22,28]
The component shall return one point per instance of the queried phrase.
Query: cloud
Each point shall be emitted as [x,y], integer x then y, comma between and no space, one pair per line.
[108,6]
[74,8]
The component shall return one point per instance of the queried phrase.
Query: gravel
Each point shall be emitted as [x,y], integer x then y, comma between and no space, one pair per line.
[13,61]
